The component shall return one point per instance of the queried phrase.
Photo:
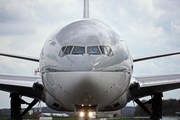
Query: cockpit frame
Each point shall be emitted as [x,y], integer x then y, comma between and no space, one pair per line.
[95,50]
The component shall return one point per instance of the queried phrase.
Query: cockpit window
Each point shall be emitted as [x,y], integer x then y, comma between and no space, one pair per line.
[93,50]
[103,50]
[68,50]
[62,51]
[78,50]
[110,53]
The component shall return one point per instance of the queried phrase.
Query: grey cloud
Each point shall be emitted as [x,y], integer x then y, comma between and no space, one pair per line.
[14,11]
[165,20]
[8,29]
[171,10]
[167,5]
[22,17]
[35,11]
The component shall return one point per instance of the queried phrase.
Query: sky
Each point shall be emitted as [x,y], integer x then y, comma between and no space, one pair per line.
[149,27]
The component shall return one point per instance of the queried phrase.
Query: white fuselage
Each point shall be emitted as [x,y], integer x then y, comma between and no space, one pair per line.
[98,75]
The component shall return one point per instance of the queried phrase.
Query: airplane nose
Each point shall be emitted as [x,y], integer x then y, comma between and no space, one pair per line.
[85,80]
[85,87]
[85,63]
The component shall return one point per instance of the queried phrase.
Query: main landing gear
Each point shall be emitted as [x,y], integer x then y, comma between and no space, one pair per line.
[156,106]
[16,102]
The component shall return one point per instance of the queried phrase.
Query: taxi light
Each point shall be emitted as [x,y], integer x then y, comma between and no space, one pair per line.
[90,114]
[81,114]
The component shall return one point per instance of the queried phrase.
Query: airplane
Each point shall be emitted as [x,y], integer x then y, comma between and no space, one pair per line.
[85,66]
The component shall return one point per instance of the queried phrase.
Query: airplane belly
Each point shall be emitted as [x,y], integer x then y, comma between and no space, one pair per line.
[86,88]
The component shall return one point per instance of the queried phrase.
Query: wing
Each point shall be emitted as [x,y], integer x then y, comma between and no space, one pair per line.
[30,86]
[153,56]
[35,59]
[147,85]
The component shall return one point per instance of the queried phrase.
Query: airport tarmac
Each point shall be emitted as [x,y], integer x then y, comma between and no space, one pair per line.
[89,119]
[95,119]
[164,118]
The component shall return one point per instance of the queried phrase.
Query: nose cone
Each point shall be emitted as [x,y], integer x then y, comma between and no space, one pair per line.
[85,87]
[85,80]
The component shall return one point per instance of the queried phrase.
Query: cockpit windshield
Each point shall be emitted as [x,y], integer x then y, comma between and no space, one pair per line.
[62,51]
[68,50]
[110,53]
[103,50]
[78,50]
[91,50]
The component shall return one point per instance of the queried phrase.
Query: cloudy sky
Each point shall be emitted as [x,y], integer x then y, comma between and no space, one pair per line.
[149,27]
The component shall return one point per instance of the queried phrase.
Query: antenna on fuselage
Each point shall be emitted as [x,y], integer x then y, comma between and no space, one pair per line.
[86,8]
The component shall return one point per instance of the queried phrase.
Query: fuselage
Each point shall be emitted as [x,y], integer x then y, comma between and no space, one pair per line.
[86,63]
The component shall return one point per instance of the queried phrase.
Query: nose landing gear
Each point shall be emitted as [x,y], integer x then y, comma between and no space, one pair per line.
[87,112]
[86,117]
